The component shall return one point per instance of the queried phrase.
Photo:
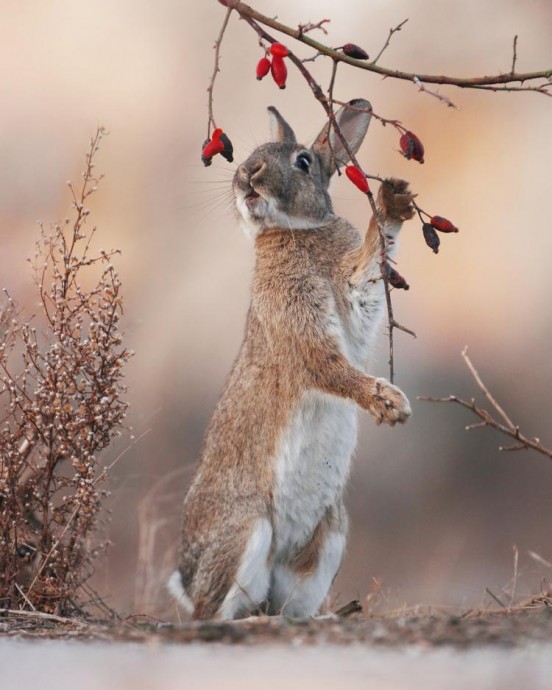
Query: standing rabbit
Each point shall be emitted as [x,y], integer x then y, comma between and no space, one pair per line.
[264,521]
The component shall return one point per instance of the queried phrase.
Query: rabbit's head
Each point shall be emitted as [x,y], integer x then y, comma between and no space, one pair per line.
[284,184]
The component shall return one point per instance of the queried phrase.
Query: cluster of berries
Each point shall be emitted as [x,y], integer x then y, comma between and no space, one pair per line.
[218,143]
[277,66]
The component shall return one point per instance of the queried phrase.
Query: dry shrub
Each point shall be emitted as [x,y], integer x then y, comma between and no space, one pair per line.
[61,403]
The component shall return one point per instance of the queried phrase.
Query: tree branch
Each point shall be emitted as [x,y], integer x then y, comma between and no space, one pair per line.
[247,12]
[508,428]
[216,70]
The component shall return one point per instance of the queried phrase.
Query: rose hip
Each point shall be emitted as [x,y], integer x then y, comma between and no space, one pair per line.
[354,51]
[431,237]
[357,177]
[442,224]
[218,143]
[395,278]
[279,71]
[263,68]
[279,50]
[412,147]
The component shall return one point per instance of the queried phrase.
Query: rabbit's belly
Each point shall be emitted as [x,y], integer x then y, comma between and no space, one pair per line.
[311,467]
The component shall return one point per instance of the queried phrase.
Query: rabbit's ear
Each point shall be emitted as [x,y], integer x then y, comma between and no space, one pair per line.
[279,128]
[353,123]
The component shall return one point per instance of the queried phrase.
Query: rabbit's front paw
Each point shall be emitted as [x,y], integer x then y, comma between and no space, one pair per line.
[388,403]
[395,200]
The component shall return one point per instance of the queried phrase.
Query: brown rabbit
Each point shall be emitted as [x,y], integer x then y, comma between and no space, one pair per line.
[264,521]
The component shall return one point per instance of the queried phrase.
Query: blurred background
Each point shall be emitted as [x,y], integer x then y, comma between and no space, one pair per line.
[437,513]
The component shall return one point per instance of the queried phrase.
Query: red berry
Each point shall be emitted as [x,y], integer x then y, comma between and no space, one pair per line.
[279,71]
[442,224]
[219,143]
[431,237]
[279,50]
[357,177]
[213,147]
[206,161]
[354,51]
[228,150]
[395,278]
[412,147]
[263,68]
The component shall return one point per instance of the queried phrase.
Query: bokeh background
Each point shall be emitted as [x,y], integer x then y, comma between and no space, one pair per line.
[436,512]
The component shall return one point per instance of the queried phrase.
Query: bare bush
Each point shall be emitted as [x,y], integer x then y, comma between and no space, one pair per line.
[61,403]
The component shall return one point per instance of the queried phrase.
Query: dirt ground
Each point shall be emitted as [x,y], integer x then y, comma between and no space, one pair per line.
[507,649]
[505,627]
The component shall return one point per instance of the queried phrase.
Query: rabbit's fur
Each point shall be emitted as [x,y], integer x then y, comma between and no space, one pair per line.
[264,522]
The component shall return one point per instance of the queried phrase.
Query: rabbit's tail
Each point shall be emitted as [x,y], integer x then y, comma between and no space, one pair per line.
[176,588]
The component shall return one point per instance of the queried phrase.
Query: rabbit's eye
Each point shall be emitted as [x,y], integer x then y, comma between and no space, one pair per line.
[303,161]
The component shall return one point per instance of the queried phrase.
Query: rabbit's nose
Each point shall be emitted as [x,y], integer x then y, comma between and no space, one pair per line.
[256,169]
[247,173]
[251,171]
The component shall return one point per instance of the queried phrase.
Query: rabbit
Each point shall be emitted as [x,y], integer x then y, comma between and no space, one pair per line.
[264,526]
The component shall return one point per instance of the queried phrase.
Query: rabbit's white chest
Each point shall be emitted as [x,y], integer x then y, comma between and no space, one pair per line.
[367,307]
[311,466]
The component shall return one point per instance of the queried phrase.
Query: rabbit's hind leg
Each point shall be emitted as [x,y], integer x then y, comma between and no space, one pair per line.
[250,586]
[297,591]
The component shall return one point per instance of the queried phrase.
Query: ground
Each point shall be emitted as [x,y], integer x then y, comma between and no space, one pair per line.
[508,648]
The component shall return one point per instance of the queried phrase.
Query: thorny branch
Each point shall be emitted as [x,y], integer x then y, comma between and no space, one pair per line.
[484,82]
[491,419]
[497,82]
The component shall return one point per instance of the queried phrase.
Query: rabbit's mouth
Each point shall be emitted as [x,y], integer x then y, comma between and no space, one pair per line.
[255,204]
[251,197]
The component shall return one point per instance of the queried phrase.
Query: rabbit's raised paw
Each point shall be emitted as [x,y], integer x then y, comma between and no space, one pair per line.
[388,404]
[395,200]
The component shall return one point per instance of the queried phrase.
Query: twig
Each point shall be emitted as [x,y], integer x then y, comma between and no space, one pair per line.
[30,603]
[538,89]
[515,578]
[353,606]
[435,94]
[383,120]
[302,29]
[537,557]
[388,40]
[514,56]
[509,429]
[43,616]
[495,598]
[247,12]
[484,388]
[216,70]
